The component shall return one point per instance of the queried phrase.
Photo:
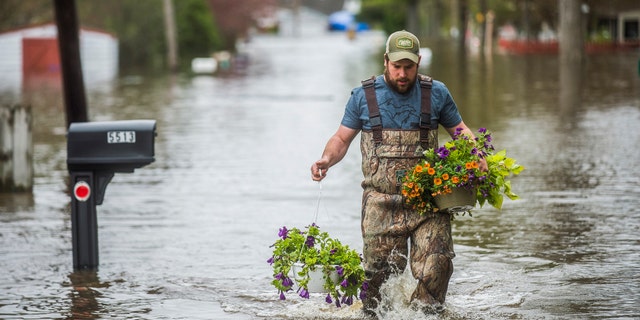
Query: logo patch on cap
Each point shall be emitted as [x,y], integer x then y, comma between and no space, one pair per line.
[404,43]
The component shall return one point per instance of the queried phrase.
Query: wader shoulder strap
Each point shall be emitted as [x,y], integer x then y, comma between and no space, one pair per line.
[425,108]
[374,112]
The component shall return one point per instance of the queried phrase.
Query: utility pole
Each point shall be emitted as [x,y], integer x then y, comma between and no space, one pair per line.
[69,46]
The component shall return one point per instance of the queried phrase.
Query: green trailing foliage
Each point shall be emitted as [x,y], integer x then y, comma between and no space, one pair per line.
[313,249]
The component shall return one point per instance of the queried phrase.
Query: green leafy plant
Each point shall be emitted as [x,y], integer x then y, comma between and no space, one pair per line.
[313,249]
[456,164]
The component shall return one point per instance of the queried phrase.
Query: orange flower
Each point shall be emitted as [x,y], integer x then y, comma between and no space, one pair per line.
[431,171]
[437,181]
[445,176]
[474,164]
[418,169]
[455,179]
[468,165]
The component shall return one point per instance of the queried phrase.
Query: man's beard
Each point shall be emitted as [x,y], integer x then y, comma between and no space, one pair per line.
[394,83]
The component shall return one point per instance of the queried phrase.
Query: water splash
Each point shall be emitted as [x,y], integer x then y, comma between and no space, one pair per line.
[396,303]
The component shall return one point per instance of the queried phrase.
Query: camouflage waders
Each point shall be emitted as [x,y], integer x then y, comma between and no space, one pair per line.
[387,223]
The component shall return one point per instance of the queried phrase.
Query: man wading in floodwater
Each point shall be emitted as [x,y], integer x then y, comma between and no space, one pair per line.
[398,114]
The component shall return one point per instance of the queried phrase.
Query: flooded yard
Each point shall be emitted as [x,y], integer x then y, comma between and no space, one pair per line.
[188,236]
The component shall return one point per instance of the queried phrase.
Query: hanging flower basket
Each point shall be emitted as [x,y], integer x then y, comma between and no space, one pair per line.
[450,176]
[310,261]
[460,199]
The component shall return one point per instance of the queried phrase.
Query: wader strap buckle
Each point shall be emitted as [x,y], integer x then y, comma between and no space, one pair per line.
[374,112]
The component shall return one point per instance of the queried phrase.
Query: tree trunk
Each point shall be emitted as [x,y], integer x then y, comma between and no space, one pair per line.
[483,25]
[488,33]
[413,19]
[170,32]
[462,23]
[571,54]
[526,28]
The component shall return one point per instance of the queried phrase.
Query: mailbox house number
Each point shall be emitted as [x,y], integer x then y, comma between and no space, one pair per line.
[121,137]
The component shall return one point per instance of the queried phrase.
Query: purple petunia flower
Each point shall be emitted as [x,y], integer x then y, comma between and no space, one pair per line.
[287,282]
[344,283]
[363,290]
[279,276]
[328,298]
[282,297]
[283,233]
[304,293]
[474,151]
[311,241]
[443,152]
[270,261]
[340,270]
[482,130]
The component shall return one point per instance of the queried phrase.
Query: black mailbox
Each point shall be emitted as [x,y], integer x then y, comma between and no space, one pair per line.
[95,152]
[116,146]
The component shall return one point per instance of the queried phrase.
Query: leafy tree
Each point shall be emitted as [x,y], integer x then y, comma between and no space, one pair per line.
[197,34]
[139,26]
[19,13]
[387,15]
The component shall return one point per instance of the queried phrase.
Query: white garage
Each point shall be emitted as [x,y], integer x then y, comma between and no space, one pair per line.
[30,56]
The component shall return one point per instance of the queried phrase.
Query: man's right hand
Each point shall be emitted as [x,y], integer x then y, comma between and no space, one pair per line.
[319,170]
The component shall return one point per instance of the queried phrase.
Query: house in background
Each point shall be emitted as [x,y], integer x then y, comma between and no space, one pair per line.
[629,26]
[30,57]
[611,27]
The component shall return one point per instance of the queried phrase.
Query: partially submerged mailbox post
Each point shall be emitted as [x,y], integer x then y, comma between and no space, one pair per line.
[95,152]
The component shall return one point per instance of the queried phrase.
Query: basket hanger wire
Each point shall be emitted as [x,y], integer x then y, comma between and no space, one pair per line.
[315,219]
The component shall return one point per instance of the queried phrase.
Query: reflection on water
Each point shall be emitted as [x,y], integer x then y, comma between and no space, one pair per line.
[85,294]
[188,236]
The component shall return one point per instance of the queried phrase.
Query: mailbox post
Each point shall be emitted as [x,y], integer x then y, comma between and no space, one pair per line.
[95,152]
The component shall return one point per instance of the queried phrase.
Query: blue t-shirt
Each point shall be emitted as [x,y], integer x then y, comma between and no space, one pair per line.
[401,111]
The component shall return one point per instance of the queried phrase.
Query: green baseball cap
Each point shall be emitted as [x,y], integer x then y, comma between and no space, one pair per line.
[403,45]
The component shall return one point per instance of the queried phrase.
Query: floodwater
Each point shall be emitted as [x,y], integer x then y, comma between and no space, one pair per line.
[188,236]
